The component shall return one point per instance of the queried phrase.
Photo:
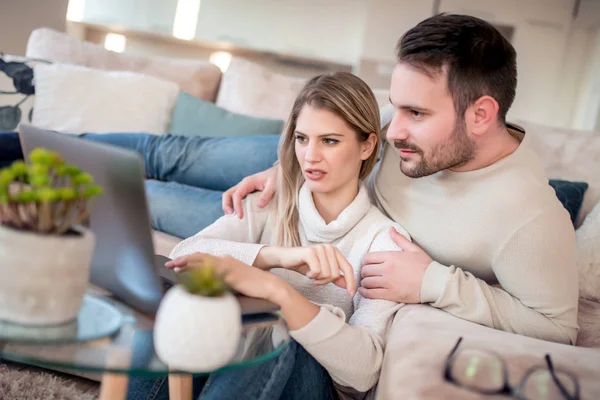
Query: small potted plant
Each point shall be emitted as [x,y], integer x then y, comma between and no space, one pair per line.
[198,324]
[44,250]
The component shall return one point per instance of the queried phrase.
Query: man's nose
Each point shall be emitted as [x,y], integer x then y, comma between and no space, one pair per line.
[397,130]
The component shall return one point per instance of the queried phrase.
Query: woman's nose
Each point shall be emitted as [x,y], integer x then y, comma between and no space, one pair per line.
[313,152]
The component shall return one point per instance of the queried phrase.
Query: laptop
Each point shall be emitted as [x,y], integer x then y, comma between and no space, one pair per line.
[124,262]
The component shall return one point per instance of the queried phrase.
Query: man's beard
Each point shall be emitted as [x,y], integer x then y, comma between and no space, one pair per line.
[458,150]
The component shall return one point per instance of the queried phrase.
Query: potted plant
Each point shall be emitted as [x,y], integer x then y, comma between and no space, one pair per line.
[198,323]
[44,250]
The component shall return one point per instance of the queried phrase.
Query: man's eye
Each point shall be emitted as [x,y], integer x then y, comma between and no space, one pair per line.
[330,141]
[416,114]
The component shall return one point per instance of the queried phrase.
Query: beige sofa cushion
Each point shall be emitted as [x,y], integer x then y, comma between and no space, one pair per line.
[164,243]
[198,78]
[251,89]
[570,155]
[422,337]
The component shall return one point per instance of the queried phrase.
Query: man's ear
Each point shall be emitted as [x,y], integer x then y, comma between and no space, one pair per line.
[368,146]
[482,114]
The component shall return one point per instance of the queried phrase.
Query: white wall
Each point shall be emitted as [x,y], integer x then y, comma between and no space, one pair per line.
[19,17]
[587,111]
[330,30]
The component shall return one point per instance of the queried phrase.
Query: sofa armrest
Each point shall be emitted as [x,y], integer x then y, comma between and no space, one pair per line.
[421,338]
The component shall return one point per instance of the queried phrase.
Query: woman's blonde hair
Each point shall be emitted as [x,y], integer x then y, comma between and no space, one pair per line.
[350,98]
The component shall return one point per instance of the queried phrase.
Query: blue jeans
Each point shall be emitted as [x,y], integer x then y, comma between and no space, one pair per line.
[293,374]
[186,175]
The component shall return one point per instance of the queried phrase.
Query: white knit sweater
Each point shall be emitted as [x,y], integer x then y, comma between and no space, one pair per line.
[502,224]
[348,335]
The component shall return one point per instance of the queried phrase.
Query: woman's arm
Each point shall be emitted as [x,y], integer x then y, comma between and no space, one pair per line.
[229,235]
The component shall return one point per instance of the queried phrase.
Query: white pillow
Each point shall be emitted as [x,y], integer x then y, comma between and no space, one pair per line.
[588,246]
[251,89]
[75,99]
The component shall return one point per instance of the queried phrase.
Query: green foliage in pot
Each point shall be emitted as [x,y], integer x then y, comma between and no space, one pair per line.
[46,195]
[203,281]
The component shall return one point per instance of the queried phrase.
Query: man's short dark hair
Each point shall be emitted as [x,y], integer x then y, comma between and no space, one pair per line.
[479,61]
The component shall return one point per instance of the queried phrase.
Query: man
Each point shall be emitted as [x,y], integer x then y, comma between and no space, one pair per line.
[467,188]
[460,179]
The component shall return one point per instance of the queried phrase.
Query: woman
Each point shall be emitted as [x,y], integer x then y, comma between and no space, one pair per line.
[315,233]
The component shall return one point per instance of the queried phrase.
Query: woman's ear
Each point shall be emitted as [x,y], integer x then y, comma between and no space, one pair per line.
[368,146]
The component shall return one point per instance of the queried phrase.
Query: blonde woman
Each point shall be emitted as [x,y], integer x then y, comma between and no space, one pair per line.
[306,250]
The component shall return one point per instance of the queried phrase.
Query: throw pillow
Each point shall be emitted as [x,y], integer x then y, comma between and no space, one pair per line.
[588,252]
[251,89]
[198,77]
[75,99]
[194,117]
[16,90]
[570,195]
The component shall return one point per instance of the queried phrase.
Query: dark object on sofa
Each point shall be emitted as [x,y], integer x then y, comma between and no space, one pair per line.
[570,195]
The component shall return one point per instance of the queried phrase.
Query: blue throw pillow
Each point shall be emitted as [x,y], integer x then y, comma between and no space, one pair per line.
[194,117]
[570,195]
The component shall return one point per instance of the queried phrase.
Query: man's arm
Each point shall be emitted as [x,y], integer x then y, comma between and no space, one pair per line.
[539,291]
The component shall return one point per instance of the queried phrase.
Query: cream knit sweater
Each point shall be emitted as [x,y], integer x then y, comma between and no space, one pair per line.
[500,224]
[348,335]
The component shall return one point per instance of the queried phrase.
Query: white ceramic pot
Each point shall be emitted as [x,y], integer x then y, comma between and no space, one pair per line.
[196,333]
[44,277]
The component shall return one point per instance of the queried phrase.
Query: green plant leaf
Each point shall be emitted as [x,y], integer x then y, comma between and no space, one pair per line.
[67,194]
[38,169]
[47,195]
[41,156]
[39,180]
[6,177]
[19,168]
[26,196]
[67,170]
[82,178]
[203,281]
[92,191]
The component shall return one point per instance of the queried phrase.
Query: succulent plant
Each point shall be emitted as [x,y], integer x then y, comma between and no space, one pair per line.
[203,281]
[47,195]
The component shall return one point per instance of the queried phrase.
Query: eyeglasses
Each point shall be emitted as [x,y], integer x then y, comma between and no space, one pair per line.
[485,372]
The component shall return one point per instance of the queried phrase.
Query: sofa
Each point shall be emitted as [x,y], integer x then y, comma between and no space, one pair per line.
[421,336]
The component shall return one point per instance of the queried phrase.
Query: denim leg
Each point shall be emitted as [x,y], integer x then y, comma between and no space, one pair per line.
[206,162]
[140,388]
[293,374]
[182,210]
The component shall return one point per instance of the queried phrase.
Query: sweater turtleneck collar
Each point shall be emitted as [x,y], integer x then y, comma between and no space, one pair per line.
[313,224]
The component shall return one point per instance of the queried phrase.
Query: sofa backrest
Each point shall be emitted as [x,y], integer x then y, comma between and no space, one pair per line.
[198,78]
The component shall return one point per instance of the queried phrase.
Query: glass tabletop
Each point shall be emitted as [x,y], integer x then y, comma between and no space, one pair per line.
[131,349]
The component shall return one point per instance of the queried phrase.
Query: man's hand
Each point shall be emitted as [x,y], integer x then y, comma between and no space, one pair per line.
[395,275]
[263,181]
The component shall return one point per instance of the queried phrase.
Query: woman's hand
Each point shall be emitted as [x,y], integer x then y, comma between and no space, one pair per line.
[247,280]
[324,263]
[263,181]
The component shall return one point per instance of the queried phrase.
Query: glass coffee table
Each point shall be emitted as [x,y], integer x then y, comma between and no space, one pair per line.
[115,341]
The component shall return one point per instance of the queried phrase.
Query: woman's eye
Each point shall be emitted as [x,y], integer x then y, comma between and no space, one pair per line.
[330,141]
[300,139]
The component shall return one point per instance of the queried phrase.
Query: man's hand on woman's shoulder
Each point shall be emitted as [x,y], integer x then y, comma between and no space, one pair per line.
[395,275]
[264,181]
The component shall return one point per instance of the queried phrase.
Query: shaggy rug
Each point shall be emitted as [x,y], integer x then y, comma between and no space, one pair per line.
[18,382]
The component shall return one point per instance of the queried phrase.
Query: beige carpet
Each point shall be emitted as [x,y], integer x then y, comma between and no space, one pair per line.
[18,382]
